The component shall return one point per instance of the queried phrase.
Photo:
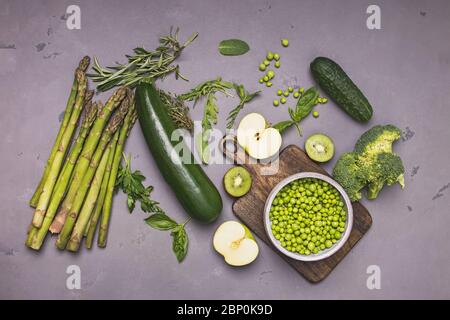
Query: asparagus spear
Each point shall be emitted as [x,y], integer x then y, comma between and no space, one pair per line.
[32,230]
[93,220]
[83,65]
[91,109]
[89,202]
[92,224]
[36,237]
[86,156]
[55,167]
[106,210]
[83,186]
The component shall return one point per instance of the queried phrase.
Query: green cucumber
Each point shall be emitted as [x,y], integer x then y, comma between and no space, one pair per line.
[192,187]
[338,85]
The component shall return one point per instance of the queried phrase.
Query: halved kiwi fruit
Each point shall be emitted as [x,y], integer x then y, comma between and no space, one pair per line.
[319,147]
[237,181]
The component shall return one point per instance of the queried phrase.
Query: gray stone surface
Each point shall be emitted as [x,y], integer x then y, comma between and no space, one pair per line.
[403,69]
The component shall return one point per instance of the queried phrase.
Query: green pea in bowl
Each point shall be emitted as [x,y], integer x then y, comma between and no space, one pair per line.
[308,216]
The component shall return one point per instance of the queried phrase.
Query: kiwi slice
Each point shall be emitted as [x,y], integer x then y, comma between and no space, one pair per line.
[319,147]
[237,181]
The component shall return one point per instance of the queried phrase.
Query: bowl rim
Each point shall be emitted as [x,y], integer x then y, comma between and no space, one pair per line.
[324,253]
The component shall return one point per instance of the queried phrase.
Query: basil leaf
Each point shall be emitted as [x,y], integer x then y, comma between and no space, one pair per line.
[306,103]
[294,116]
[180,242]
[283,125]
[233,47]
[161,222]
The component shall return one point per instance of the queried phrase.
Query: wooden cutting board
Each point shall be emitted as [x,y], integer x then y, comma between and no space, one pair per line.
[250,209]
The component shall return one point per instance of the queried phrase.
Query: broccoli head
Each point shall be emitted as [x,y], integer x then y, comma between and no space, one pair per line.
[372,164]
[377,140]
[387,169]
[348,173]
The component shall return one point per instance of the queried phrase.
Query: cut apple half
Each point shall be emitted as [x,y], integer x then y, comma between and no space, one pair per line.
[258,140]
[235,243]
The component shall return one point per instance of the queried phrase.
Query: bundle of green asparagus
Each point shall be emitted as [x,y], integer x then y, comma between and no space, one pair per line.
[75,192]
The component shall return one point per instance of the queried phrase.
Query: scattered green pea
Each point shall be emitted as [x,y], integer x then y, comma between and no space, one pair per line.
[284,42]
[290,89]
[266,78]
[315,114]
[301,90]
[269,55]
[261,80]
[270,74]
[296,95]
[279,92]
[283,100]
[307,216]
[286,93]
[277,64]
[266,62]
[276,56]
[268,84]
[262,67]
[276,103]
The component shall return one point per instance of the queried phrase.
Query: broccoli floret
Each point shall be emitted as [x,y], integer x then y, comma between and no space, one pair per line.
[377,140]
[371,164]
[387,169]
[348,173]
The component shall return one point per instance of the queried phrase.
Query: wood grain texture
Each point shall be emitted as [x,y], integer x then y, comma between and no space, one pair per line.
[250,209]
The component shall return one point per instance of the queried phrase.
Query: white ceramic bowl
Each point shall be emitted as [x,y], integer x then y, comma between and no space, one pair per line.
[323,253]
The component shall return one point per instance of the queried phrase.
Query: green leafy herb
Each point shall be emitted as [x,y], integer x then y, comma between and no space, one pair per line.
[233,47]
[305,104]
[207,89]
[283,125]
[178,111]
[244,97]
[131,183]
[180,241]
[142,64]
[161,222]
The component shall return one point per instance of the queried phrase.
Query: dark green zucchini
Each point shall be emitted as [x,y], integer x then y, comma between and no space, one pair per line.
[338,85]
[192,187]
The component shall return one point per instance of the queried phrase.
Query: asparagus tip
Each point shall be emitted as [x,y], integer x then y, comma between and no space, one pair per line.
[84,63]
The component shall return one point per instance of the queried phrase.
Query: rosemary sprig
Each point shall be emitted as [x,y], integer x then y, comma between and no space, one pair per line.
[178,111]
[244,97]
[142,64]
